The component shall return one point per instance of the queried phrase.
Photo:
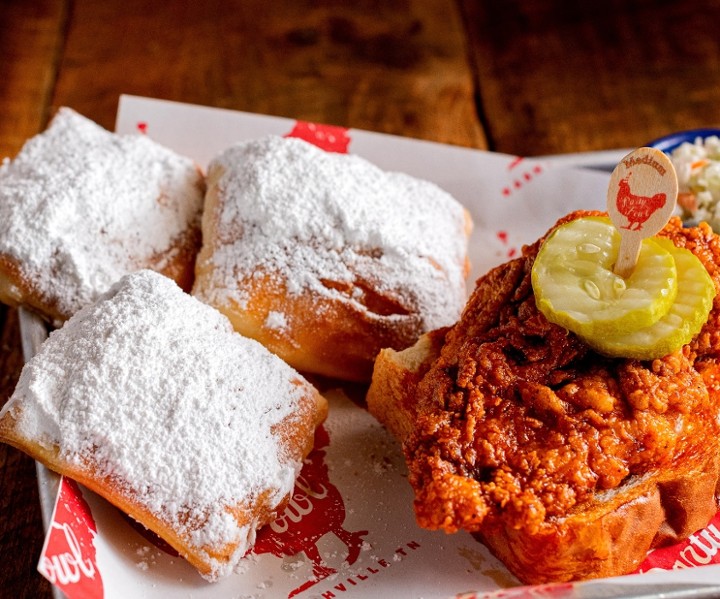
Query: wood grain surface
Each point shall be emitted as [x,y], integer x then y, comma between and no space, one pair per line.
[394,67]
[559,76]
[526,78]
[31,37]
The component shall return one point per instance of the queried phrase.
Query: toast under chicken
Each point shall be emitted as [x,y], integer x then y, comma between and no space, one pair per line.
[565,463]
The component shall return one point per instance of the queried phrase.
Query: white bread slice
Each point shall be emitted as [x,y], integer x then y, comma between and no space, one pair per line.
[390,397]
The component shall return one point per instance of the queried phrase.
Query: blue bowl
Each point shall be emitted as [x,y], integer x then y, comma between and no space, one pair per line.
[668,143]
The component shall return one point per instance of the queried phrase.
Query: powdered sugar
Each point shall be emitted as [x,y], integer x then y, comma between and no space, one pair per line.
[80,207]
[276,320]
[155,390]
[317,217]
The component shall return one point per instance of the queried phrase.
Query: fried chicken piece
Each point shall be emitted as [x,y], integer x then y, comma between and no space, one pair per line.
[567,464]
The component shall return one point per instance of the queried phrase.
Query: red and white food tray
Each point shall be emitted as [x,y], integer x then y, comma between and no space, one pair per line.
[349,530]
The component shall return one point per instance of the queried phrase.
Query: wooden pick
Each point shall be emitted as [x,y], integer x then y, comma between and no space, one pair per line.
[641,198]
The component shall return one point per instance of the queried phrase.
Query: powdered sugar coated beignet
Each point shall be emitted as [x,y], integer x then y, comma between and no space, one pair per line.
[324,257]
[80,207]
[149,398]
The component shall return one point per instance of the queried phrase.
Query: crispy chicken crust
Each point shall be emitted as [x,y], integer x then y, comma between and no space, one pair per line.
[520,423]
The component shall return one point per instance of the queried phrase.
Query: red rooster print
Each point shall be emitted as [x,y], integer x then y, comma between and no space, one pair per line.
[316,509]
[636,208]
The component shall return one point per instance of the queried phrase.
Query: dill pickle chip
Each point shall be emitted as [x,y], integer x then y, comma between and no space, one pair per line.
[683,321]
[575,285]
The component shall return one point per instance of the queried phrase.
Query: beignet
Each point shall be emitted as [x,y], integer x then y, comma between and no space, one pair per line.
[80,207]
[149,398]
[325,258]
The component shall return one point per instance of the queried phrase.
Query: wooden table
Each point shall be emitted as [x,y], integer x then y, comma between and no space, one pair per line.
[526,78]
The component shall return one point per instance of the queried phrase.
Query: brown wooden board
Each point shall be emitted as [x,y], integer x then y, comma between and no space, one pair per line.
[564,76]
[398,68]
[31,35]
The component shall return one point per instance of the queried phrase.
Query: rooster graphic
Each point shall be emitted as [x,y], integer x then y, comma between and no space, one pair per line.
[316,509]
[636,208]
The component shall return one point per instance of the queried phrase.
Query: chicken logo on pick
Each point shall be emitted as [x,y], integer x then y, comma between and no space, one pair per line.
[642,192]
[636,208]
[641,212]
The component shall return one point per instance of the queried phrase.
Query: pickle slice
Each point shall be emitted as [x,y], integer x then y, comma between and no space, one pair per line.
[575,285]
[683,321]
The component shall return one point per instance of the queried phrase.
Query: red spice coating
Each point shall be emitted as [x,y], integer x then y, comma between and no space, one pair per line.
[521,422]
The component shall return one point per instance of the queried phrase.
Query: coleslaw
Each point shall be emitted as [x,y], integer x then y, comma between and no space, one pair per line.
[698,169]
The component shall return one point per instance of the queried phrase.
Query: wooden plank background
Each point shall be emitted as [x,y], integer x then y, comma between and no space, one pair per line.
[559,76]
[526,78]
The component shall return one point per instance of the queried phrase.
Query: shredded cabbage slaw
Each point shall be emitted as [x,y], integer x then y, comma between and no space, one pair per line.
[698,169]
